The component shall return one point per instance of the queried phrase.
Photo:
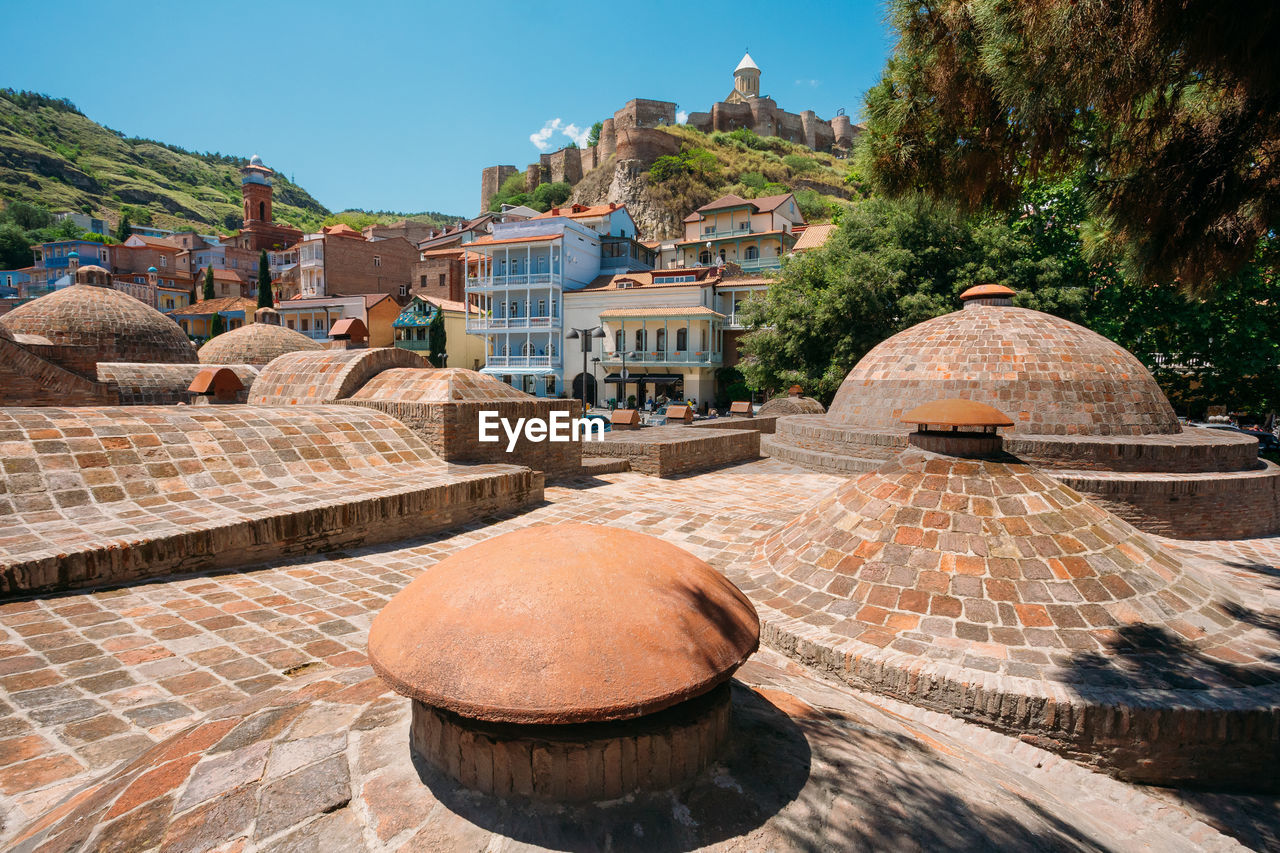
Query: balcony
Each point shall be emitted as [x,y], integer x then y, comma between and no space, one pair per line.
[479,284]
[523,361]
[424,346]
[714,233]
[503,324]
[676,357]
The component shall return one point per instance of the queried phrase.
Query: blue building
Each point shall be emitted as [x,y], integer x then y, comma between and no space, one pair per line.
[519,273]
[53,259]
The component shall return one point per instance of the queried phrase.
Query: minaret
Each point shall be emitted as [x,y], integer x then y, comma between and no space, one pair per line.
[255,185]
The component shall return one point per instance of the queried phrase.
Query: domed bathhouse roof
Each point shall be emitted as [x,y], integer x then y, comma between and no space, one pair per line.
[550,628]
[116,326]
[956,567]
[795,403]
[256,343]
[1082,407]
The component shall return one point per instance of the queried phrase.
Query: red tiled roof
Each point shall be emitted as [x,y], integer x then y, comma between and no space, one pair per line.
[489,241]
[342,230]
[813,237]
[579,211]
[645,280]
[221,305]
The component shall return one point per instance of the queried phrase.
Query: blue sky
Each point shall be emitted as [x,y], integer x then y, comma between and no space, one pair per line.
[398,105]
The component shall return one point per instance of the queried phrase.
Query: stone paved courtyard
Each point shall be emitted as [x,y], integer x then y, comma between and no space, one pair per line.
[91,681]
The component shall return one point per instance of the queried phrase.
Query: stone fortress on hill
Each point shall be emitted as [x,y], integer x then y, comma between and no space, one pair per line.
[632,133]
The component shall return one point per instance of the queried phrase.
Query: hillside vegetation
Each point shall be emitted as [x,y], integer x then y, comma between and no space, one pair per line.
[708,166]
[53,156]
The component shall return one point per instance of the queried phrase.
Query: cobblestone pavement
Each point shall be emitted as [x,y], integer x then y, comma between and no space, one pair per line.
[91,681]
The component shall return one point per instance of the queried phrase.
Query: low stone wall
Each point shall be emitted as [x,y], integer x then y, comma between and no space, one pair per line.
[1235,505]
[1227,739]
[164,384]
[668,450]
[761,423]
[29,380]
[452,430]
[1195,450]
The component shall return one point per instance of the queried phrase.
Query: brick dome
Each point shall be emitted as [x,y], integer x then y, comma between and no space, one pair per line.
[561,624]
[987,563]
[115,324]
[257,344]
[1052,376]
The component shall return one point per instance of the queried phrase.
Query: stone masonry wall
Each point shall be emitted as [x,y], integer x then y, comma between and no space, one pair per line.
[28,380]
[668,450]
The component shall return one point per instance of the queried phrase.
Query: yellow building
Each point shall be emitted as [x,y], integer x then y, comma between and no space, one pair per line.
[461,349]
[195,319]
[755,234]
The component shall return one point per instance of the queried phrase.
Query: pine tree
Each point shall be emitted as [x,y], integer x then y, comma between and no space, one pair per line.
[125,229]
[208,283]
[1170,110]
[436,339]
[215,325]
[265,297]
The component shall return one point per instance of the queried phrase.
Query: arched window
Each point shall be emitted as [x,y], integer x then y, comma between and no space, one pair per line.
[682,340]
[527,349]
[618,343]
[662,340]
[262,211]
[753,252]
[640,339]
[551,349]
[704,257]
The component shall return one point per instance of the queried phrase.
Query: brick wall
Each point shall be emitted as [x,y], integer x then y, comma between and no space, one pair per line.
[163,384]
[354,266]
[426,279]
[28,380]
[668,450]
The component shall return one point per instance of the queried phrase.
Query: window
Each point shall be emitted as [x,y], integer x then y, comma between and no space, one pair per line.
[618,343]
[682,340]
[290,324]
[404,290]
[164,261]
[551,386]
[662,340]
[753,252]
[542,307]
[702,339]
[704,257]
[551,349]
[422,281]
[640,339]
[442,281]
[527,349]
[306,324]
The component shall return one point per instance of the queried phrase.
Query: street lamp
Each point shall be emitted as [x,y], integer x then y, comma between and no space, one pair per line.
[585,337]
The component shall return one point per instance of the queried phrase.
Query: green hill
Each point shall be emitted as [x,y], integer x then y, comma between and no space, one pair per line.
[53,156]
[712,165]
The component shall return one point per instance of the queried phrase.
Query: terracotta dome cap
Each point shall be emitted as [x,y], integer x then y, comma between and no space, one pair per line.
[95,268]
[565,623]
[988,290]
[957,413]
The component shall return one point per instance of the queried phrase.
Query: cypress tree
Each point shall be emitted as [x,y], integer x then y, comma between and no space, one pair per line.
[436,339]
[265,297]
[125,229]
[208,282]
[215,325]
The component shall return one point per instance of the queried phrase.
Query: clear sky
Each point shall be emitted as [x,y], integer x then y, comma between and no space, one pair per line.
[389,105]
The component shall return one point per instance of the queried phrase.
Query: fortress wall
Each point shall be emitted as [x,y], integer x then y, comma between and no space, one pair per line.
[639,143]
[490,180]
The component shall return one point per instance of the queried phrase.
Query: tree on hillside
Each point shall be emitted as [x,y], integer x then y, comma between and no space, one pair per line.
[266,299]
[890,265]
[125,229]
[208,283]
[1170,109]
[215,325]
[15,248]
[436,340]
[547,196]
[67,229]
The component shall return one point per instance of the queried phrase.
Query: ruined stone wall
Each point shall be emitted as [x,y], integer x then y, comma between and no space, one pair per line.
[490,180]
[645,144]
[642,112]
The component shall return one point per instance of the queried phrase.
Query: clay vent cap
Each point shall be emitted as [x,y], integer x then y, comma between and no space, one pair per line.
[957,413]
[988,291]
[566,623]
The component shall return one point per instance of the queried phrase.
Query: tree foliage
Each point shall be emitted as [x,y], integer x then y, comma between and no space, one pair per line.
[436,340]
[593,137]
[209,292]
[216,326]
[266,298]
[125,229]
[1168,109]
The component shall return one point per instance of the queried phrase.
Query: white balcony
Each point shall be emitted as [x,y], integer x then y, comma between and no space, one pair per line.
[691,357]
[502,282]
[502,324]
[522,361]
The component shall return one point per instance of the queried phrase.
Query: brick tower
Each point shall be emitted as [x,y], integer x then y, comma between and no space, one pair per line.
[255,185]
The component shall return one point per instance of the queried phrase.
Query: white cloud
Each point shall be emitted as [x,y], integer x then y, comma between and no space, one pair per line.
[682,117]
[813,83]
[541,139]
[578,135]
